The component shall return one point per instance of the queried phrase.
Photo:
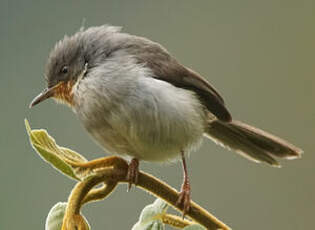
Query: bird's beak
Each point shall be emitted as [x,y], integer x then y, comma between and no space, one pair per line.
[45,94]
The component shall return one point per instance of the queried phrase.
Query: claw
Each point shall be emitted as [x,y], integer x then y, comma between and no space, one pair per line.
[133,173]
[184,198]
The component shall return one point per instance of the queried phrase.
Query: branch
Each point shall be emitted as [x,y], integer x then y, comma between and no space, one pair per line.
[83,192]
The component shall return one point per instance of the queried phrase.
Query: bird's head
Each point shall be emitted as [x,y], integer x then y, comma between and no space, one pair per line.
[72,57]
[66,65]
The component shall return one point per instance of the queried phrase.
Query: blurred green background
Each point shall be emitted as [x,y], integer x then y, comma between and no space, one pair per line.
[259,54]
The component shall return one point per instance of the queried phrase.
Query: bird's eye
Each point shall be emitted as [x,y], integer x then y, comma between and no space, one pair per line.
[64,69]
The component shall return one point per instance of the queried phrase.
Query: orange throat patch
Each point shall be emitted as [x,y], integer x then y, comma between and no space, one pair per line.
[64,94]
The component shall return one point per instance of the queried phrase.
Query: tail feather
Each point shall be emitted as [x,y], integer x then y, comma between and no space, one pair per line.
[253,143]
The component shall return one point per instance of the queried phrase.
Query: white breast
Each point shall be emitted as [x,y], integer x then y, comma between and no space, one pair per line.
[129,112]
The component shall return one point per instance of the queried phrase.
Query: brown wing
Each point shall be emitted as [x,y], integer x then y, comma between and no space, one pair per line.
[166,68]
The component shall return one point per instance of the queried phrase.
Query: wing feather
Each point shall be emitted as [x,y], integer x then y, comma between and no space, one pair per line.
[167,68]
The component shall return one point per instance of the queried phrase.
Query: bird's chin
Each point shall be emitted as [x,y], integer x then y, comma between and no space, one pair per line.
[64,93]
[60,100]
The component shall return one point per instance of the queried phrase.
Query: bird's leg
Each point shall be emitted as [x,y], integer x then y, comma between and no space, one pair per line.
[184,195]
[133,172]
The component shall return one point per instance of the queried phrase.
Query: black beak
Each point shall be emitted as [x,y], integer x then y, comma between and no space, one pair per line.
[47,93]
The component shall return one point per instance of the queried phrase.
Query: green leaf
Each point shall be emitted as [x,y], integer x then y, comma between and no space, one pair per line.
[55,217]
[194,227]
[150,218]
[63,159]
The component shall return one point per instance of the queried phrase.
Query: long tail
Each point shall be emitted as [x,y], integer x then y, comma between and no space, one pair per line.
[253,143]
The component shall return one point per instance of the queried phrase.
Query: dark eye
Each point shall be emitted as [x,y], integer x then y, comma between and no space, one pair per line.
[65,69]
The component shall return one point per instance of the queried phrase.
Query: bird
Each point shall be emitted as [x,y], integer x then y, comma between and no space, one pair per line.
[136,100]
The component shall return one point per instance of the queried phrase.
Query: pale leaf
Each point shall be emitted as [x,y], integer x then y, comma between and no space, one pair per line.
[55,217]
[63,159]
[150,217]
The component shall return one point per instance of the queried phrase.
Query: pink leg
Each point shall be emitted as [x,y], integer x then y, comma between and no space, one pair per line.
[184,195]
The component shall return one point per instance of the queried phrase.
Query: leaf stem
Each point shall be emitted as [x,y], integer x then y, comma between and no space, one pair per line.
[175,221]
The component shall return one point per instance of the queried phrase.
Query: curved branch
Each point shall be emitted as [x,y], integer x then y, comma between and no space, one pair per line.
[99,193]
[83,192]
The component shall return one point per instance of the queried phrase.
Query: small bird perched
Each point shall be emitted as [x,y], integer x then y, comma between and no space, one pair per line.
[135,99]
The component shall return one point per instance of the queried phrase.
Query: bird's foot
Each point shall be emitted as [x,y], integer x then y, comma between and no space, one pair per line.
[184,198]
[133,172]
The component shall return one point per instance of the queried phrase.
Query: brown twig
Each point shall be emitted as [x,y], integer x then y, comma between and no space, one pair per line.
[83,192]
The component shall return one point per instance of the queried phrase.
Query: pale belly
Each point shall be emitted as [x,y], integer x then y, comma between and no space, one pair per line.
[146,145]
[147,123]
